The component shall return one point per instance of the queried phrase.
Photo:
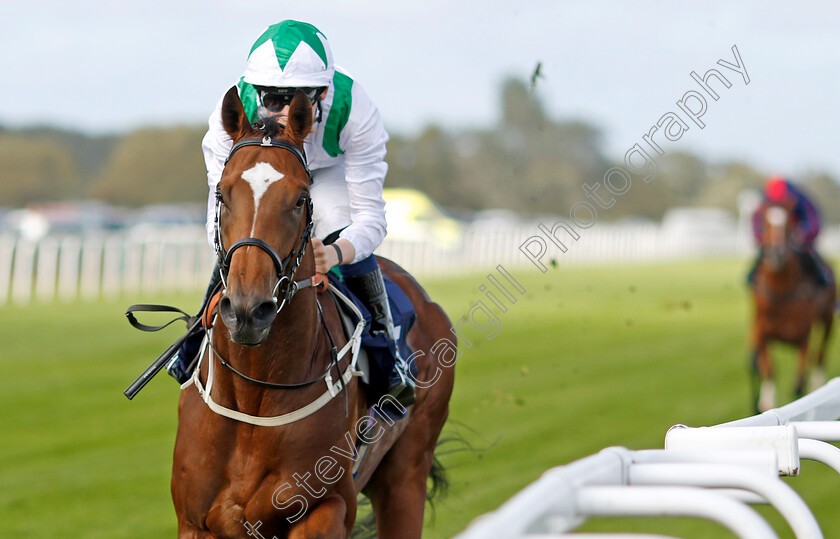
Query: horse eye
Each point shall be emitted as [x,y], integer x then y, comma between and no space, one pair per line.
[301,201]
[219,198]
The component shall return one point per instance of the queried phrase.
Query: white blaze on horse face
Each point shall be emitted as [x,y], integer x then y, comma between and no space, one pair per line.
[776,216]
[777,219]
[260,177]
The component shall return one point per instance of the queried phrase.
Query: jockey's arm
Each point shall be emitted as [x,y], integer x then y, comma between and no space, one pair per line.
[810,221]
[216,146]
[758,223]
[364,143]
[807,219]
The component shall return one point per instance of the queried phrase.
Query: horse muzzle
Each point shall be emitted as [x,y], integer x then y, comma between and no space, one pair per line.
[248,318]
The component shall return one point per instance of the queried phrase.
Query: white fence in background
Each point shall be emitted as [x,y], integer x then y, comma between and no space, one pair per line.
[150,260]
[713,473]
[102,265]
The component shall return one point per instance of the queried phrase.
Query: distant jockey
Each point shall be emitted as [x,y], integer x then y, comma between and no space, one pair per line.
[779,191]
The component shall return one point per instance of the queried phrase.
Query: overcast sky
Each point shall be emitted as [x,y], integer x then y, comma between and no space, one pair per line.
[104,66]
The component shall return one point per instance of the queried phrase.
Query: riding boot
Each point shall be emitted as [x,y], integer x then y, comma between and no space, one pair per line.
[812,266]
[370,289]
[179,367]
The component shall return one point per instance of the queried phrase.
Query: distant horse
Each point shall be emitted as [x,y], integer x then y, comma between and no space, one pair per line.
[268,432]
[788,303]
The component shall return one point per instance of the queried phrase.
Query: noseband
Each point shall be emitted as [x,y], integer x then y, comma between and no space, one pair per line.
[285,268]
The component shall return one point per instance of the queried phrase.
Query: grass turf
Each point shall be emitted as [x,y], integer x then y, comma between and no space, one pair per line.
[585,359]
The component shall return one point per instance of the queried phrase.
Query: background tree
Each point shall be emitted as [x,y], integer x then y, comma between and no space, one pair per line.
[526,161]
[155,166]
[825,192]
[35,172]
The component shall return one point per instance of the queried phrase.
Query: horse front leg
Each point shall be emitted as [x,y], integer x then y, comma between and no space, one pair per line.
[755,379]
[397,492]
[328,520]
[817,378]
[767,388]
[189,532]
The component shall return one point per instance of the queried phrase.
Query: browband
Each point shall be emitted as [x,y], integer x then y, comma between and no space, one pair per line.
[268,142]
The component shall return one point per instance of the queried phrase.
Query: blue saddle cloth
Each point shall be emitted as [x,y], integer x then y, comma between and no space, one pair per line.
[380,349]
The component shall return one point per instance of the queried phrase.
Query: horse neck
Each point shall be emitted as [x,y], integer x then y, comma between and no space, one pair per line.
[290,346]
[789,274]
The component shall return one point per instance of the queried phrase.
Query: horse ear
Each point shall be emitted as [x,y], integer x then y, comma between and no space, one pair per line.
[300,119]
[234,119]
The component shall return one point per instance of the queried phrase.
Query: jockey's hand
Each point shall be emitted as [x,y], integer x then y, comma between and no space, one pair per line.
[326,256]
[323,261]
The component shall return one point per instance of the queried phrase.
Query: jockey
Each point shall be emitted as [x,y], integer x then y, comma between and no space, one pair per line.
[806,225]
[345,151]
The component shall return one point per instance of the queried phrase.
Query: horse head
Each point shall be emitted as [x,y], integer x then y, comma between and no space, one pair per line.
[776,236]
[263,217]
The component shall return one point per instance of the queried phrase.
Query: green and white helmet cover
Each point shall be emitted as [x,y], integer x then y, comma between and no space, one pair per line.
[289,54]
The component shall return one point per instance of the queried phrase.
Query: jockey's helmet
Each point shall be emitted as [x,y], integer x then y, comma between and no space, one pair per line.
[776,189]
[290,55]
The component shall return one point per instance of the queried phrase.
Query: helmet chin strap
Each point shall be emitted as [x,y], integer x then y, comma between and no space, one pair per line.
[319,111]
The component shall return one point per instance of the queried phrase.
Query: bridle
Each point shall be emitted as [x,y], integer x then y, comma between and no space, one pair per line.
[285,288]
[285,268]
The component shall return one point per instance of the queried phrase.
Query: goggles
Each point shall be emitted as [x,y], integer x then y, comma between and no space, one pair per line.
[275,99]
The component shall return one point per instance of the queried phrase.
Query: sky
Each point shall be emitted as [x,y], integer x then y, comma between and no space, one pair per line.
[109,67]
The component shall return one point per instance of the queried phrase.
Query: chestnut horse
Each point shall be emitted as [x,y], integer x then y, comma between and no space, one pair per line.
[788,303]
[271,360]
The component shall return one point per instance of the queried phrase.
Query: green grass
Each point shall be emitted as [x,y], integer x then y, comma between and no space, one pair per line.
[587,358]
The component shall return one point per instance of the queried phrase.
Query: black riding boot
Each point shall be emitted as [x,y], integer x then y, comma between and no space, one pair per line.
[812,266]
[370,289]
[180,366]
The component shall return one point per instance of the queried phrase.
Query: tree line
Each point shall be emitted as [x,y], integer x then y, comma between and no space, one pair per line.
[528,162]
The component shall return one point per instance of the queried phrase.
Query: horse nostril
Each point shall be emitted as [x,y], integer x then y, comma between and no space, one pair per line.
[248,318]
[264,313]
[226,311]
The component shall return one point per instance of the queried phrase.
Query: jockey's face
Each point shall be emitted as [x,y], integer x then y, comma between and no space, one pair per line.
[281,114]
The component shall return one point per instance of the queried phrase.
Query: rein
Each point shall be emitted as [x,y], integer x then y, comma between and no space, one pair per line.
[271,385]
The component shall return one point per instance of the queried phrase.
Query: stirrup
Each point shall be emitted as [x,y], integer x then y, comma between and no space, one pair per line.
[401,386]
[405,393]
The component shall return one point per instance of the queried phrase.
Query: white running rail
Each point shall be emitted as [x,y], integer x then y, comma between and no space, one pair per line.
[713,473]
